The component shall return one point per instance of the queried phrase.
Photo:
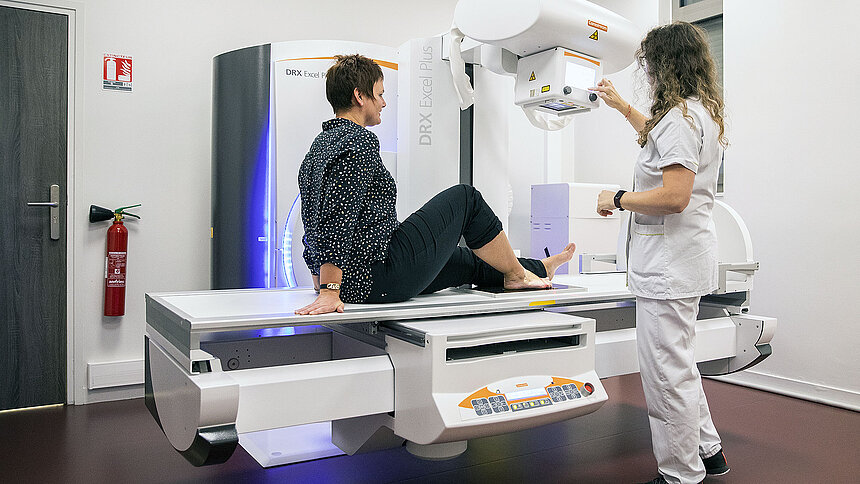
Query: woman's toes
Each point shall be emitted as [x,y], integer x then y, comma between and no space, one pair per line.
[553,262]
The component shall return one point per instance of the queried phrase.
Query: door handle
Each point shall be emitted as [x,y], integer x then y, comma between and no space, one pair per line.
[54,205]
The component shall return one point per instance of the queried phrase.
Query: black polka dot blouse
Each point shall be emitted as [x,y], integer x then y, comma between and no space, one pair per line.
[348,205]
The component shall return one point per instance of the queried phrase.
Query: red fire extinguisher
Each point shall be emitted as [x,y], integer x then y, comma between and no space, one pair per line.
[116,256]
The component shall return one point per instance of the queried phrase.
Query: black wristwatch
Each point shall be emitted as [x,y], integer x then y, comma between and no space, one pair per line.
[332,286]
[617,199]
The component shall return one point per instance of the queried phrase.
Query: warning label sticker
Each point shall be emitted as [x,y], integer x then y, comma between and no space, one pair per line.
[545,88]
[532,77]
[593,36]
[596,25]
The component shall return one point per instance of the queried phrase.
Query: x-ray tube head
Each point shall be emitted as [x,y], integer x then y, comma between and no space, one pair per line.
[557,81]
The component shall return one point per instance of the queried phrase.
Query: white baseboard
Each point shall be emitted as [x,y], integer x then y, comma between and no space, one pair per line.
[114,374]
[114,394]
[814,392]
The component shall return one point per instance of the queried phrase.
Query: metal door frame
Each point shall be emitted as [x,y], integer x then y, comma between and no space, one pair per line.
[74,132]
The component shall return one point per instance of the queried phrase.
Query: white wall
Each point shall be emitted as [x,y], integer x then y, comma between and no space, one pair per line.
[152,146]
[791,72]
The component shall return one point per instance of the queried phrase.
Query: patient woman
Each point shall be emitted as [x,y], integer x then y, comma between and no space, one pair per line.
[355,248]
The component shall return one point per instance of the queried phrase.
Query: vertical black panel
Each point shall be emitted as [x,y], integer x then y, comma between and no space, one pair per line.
[33,148]
[467,120]
[240,122]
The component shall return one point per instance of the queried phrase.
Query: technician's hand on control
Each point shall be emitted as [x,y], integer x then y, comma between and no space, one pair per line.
[606,203]
[610,96]
[327,302]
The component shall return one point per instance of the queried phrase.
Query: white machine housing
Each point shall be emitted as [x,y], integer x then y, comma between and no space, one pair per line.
[442,392]
[525,28]
[557,81]
[416,371]
[216,361]
[461,378]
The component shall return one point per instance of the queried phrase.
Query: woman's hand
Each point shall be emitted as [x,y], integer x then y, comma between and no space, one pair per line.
[606,203]
[327,302]
[606,90]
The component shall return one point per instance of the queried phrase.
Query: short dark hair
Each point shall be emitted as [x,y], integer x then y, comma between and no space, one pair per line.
[348,73]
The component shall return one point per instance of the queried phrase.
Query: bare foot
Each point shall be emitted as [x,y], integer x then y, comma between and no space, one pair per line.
[527,280]
[553,262]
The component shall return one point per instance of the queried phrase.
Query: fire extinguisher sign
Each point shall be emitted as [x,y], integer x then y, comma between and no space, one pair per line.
[116,72]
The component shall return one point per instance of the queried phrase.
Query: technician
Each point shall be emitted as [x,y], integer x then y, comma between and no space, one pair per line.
[354,246]
[672,249]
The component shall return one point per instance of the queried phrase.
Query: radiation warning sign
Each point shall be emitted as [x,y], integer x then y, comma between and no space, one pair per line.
[532,77]
[593,36]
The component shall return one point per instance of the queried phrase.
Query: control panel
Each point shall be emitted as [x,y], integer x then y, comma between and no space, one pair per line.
[525,393]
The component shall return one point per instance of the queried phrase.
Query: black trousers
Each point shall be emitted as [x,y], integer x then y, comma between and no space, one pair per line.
[423,255]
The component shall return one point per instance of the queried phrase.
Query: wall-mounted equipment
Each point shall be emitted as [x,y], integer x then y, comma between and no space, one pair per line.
[116,256]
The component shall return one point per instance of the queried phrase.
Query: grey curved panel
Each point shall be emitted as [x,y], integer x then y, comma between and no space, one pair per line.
[240,124]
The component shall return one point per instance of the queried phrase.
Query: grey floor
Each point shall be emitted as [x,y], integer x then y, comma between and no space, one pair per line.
[767,438]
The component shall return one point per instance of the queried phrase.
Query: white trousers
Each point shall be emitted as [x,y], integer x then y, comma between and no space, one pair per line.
[682,433]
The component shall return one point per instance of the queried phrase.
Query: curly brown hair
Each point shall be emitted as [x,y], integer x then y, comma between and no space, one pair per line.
[679,65]
[350,72]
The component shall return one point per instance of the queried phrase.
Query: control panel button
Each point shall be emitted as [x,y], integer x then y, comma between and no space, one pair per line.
[482,406]
[556,394]
[499,404]
[571,391]
[542,402]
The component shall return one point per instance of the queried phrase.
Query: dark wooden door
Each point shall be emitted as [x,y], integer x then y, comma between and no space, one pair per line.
[33,143]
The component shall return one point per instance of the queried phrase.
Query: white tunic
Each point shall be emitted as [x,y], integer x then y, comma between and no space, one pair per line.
[675,256]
